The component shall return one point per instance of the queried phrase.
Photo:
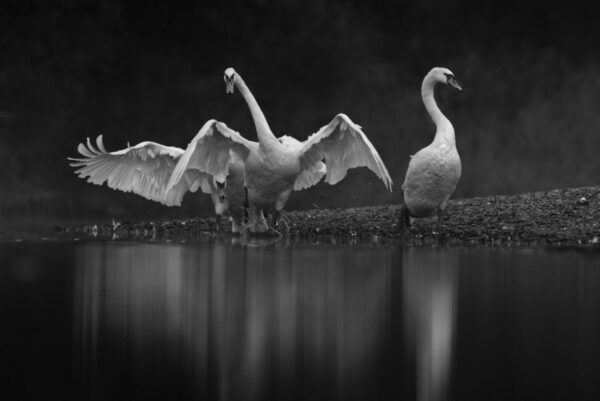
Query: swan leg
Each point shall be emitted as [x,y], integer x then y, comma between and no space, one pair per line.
[257,222]
[218,222]
[261,221]
[282,223]
[278,223]
[237,227]
[440,217]
[274,218]
[440,214]
[405,218]
[246,205]
[404,215]
[277,219]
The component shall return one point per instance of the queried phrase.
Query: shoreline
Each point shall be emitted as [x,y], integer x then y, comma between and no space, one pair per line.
[561,217]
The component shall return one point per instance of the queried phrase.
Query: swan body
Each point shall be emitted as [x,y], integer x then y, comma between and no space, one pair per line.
[274,167]
[270,179]
[434,171]
[144,169]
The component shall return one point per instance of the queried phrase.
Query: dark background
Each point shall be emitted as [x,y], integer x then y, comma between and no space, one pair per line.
[528,118]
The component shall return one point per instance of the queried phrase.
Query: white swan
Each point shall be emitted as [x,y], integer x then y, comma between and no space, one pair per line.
[275,167]
[433,171]
[145,169]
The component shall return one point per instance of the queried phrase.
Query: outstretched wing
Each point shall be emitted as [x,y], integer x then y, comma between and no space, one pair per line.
[211,151]
[143,169]
[343,145]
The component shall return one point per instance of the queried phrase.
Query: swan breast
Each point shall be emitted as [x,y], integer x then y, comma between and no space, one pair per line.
[269,175]
[432,175]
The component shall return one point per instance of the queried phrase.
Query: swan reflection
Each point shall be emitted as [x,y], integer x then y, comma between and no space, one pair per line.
[429,289]
[228,322]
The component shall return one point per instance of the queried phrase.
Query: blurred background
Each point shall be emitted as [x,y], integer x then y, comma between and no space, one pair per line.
[527,119]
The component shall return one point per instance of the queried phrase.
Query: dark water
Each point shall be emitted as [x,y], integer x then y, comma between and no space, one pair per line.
[139,321]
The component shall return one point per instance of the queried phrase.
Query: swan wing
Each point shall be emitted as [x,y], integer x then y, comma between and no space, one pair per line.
[143,169]
[310,176]
[211,151]
[343,145]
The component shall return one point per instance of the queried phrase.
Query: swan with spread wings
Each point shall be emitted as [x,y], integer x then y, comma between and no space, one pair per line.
[274,167]
[145,169]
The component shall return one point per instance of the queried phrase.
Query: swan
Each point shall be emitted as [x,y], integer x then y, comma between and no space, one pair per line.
[145,169]
[433,171]
[274,167]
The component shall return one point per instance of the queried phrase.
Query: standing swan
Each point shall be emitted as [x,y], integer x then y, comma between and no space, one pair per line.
[433,171]
[274,167]
[145,169]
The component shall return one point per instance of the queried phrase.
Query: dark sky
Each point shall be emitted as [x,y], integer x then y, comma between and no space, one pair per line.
[71,69]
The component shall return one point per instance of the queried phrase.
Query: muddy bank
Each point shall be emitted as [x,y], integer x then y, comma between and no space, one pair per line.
[566,217]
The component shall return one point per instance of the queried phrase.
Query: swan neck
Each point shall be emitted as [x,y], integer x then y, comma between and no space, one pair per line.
[445,131]
[263,131]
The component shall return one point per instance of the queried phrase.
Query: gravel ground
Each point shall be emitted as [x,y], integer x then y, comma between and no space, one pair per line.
[565,217]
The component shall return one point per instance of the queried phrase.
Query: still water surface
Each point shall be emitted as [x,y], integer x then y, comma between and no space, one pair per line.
[105,320]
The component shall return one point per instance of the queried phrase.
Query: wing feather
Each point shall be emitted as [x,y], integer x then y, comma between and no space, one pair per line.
[343,145]
[84,150]
[100,144]
[310,176]
[143,169]
[211,152]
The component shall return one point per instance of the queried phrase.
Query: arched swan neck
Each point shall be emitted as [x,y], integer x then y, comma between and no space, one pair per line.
[263,131]
[444,127]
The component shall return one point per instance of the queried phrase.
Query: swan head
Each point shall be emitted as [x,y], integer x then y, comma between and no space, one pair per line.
[220,186]
[229,78]
[444,75]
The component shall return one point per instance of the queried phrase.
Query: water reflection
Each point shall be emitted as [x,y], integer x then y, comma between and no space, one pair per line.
[106,321]
[226,322]
[429,290]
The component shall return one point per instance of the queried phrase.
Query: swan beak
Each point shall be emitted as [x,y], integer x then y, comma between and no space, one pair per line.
[229,85]
[454,83]
[221,191]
